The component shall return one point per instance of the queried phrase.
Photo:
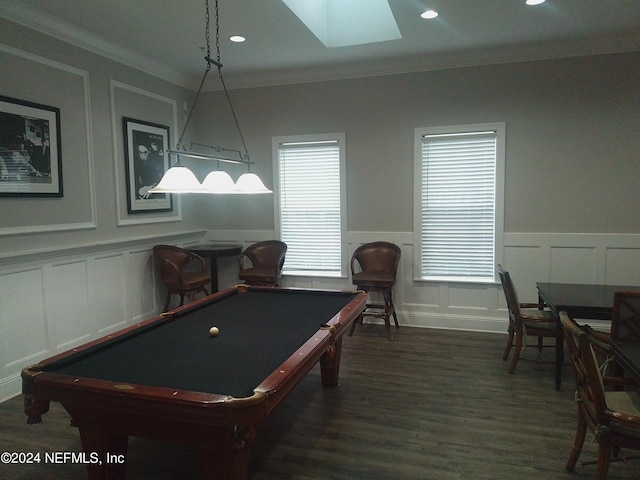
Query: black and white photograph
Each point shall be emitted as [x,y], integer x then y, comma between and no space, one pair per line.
[30,150]
[145,163]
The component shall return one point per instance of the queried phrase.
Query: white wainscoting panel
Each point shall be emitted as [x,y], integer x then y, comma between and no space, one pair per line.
[590,258]
[622,266]
[56,300]
[67,290]
[109,292]
[530,257]
[141,295]
[573,264]
[23,318]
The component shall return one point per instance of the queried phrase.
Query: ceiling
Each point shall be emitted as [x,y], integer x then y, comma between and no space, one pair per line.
[167,37]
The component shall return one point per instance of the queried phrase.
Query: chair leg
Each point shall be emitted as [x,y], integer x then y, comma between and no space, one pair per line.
[388,311]
[193,294]
[167,302]
[357,321]
[393,309]
[604,456]
[516,352]
[507,349]
[387,324]
[578,442]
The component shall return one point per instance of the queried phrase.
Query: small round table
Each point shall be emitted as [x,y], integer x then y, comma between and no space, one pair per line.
[213,251]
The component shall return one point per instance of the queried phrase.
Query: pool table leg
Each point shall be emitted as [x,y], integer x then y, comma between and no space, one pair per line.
[230,463]
[330,364]
[111,449]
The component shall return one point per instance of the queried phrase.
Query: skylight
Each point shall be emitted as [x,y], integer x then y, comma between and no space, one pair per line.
[337,23]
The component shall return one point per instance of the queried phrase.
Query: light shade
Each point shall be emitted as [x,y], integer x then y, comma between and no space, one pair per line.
[178,179]
[218,182]
[250,183]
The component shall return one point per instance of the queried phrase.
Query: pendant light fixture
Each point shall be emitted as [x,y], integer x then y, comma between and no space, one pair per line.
[179,179]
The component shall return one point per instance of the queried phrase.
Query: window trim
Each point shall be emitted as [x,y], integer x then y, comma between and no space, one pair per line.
[340,138]
[500,128]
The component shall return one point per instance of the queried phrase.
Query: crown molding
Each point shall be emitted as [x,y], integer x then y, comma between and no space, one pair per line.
[50,26]
[438,61]
[32,18]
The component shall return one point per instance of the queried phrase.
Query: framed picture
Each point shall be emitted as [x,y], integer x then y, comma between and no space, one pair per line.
[146,160]
[30,153]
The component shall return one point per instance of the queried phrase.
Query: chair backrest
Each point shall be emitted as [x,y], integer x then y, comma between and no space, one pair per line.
[625,319]
[510,294]
[589,383]
[267,254]
[173,260]
[376,257]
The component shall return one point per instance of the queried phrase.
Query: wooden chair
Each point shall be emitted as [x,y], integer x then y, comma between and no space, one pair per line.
[611,415]
[625,319]
[173,271]
[525,320]
[261,263]
[373,269]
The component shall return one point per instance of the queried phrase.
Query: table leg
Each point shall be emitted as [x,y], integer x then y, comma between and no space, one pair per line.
[330,364]
[559,360]
[230,462]
[559,353]
[110,449]
[214,274]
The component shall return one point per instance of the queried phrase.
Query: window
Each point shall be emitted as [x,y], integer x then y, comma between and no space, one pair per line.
[310,199]
[459,174]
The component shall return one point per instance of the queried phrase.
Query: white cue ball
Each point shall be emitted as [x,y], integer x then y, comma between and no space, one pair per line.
[214,331]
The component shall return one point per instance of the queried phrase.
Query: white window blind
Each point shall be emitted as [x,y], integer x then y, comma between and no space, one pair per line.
[310,210]
[458,205]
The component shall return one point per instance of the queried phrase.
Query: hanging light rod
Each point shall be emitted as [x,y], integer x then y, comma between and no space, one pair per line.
[220,148]
[204,156]
[211,60]
[242,159]
[179,179]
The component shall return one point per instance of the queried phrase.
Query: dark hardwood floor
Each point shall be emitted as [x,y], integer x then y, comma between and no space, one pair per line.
[433,404]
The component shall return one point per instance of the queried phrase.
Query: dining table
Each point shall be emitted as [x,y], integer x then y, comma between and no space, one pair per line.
[580,301]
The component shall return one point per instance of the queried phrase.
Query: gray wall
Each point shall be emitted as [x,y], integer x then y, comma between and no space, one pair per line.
[573,143]
[93,95]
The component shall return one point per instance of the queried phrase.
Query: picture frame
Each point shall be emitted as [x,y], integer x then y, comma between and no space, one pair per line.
[30,149]
[146,160]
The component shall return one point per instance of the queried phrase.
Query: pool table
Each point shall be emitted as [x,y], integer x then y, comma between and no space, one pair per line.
[168,378]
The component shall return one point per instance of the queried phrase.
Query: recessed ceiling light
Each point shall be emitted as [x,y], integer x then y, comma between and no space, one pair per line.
[429,14]
[535,2]
[237,38]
